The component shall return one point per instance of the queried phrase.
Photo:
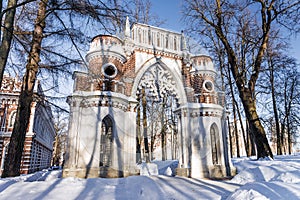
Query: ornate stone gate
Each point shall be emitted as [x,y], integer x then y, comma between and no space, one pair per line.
[104,105]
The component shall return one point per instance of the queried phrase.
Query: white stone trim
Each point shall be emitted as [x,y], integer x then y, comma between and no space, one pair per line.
[212,85]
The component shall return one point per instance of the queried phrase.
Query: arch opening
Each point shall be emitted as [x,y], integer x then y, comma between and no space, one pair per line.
[106,141]
[158,99]
[215,144]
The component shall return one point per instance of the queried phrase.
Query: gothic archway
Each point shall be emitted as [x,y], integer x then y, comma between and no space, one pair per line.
[215,144]
[158,93]
[4,154]
[106,141]
[148,73]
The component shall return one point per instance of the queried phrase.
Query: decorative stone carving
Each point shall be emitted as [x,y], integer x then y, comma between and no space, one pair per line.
[159,83]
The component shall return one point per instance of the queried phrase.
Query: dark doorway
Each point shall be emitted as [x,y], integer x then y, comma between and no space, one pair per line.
[106,140]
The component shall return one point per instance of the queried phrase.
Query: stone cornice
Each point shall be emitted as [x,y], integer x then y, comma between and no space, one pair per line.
[105,53]
[158,51]
[103,99]
[200,110]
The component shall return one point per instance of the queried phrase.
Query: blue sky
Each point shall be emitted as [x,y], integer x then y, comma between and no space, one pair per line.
[170,11]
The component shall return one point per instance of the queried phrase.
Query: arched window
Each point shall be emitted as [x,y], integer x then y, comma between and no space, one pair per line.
[4,154]
[12,118]
[2,118]
[215,146]
[106,140]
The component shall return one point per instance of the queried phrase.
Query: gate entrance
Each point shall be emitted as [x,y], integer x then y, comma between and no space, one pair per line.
[145,97]
[157,98]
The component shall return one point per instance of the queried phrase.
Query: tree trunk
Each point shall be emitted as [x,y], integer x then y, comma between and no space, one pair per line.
[237,144]
[7,35]
[250,143]
[288,105]
[152,145]
[138,135]
[289,136]
[230,140]
[144,104]
[152,132]
[278,134]
[235,122]
[234,115]
[242,128]
[255,126]
[16,145]
[163,132]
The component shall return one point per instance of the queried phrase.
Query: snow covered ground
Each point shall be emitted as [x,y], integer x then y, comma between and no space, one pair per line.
[277,179]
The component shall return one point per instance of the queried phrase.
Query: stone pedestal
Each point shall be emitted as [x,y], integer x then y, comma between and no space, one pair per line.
[185,172]
[108,172]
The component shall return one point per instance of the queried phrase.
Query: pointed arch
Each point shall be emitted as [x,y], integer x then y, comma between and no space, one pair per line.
[106,141]
[215,143]
[176,83]
[12,118]
[4,154]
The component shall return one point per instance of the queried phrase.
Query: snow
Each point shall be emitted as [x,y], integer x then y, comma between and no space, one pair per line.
[157,167]
[256,179]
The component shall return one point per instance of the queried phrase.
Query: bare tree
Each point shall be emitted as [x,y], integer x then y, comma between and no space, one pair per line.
[253,34]
[279,84]
[61,127]
[145,127]
[272,64]
[16,145]
[6,33]
[138,134]
[235,128]
[290,101]
[141,13]
[46,57]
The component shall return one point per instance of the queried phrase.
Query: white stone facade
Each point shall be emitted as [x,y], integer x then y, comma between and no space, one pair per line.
[103,121]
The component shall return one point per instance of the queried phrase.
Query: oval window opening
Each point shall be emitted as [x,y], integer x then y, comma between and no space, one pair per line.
[109,70]
[208,86]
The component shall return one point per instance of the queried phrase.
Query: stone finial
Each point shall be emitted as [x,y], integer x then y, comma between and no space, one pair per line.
[185,54]
[127,27]
[183,42]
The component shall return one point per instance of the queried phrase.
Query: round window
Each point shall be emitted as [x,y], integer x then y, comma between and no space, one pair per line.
[208,85]
[109,70]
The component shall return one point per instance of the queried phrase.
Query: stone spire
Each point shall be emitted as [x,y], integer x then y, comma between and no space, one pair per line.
[128,43]
[184,49]
[183,42]
[127,28]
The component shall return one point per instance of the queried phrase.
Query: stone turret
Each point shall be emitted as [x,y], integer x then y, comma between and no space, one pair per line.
[203,76]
